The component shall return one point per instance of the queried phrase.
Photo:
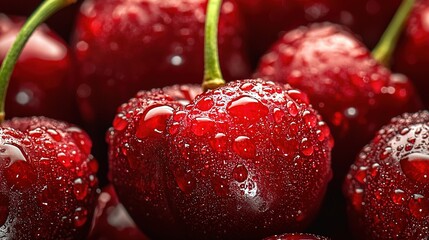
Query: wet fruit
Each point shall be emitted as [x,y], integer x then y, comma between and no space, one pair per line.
[386,187]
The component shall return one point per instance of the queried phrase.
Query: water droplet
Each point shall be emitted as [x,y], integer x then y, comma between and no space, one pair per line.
[244,147]
[18,173]
[218,143]
[306,147]
[205,104]
[278,115]
[153,121]
[184,181]
[240,173]
[120,122]
[398,196]
[357,199]
[246,86]
[203,125]
[351,112]
[416,167]
[80,216]
[4,208]
[65,160]
[309,118]
[247,108]
[360,175]
[298,96]
[386,153]
[292,108]
[220,186]
[419,206]
[82,140]
[80,189]
[55,135]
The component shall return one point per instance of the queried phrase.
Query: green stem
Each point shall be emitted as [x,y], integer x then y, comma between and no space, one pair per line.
[212,73]
[44,11]
[386,46]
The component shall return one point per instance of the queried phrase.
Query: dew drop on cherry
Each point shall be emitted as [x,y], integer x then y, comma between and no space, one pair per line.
[247,108]
[416,167]
[153,121]
[360,175]
[205,104]
[80,216]
[292,108]
[219,142]
[306,147]
[309,118]
[4,208]
[244,147]
[120,122]
[80,189]
[419,206]
[202,125]
[398,196]
[240,173]
[278,115]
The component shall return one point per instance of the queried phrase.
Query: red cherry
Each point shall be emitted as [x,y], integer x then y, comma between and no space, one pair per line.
[353,92]
[48,180]
[111,220]
[386,187]
[412,54]
[219,166]
[122,46]
[41,83]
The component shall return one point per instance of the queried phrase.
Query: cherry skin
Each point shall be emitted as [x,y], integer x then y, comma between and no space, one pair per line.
[387,186]
[111,220]
[122,46]
[246,160]
[296,236]
[42,82]
[48,180]
[412,54]
[354,94]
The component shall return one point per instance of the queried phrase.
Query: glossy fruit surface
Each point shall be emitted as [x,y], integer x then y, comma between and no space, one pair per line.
[412,54]
[246,160]
[41,83]
[111,220]
[123,46]
[354,94]
[47,180]
[387,186]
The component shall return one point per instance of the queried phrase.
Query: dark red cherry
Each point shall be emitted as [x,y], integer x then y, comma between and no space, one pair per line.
[246,160]
[122,46]
[296,236]
[387,186]
[42,81]
[48,180]
[412,54]
[111,220]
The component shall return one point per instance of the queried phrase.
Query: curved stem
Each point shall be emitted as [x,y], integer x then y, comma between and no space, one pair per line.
[386,46]
[44,11]
[212,73]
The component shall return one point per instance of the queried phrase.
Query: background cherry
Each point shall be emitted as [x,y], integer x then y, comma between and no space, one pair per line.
[386,188]
[47,174]
[412,54]
[42,82]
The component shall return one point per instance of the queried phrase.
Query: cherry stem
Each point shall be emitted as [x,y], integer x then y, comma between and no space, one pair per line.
[43,12]
[386,46]
[212,73]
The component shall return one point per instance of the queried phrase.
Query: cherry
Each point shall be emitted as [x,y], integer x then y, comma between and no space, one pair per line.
[296,236]
[267,20]
[352,90]
[111,220]
[48,180]
[246,160]
[42,81]
[386,187]
[413,49]
[122,46]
